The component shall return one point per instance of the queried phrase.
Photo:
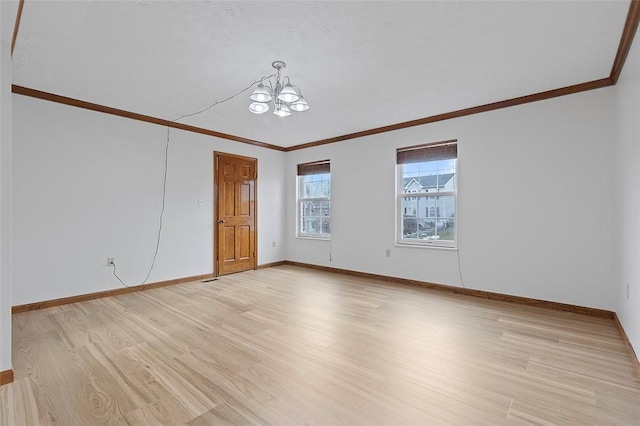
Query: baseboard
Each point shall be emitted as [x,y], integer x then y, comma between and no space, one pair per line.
[6,377]
[632,352]
[452,289]
[18,309]
[272,264]
[465,291]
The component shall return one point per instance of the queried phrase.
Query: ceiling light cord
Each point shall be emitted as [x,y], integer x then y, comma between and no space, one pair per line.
[164,178]
[164,198]
[266,77]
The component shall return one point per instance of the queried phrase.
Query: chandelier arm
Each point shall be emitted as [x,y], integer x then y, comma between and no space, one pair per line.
[270,85]
[284,95]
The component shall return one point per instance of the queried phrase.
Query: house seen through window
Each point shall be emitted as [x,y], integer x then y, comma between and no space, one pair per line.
[426,200]
[314,199]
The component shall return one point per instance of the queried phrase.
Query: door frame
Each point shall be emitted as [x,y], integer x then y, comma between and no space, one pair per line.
[216,218]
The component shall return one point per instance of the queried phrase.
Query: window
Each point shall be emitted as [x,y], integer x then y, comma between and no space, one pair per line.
[427,219]
[314,199]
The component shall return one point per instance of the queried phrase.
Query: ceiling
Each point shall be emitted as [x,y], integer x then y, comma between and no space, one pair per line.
[360,64]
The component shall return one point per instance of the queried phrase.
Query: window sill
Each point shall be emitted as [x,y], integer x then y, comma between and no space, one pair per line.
[311,237]
[434,245]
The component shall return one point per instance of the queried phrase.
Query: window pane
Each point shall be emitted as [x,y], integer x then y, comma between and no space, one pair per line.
[446,229]
[428,218]
[326,229]
[315,186]
[311,225]
[316,225]
[314,192]
[446,213]
[316,208]
[445,206]
[315,217]
[409,228]
[423,209]
[431,176]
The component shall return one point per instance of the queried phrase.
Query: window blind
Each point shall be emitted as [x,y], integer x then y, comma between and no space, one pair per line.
[447,150]
[314,168]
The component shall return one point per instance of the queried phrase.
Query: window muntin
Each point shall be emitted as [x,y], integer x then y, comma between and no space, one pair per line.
[314,199]
[427,193]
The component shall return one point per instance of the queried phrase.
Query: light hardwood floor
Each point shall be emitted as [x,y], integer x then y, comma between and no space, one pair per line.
[288,345]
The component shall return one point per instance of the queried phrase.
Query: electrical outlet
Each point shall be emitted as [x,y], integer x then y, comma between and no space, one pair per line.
[388,252]
[111,261]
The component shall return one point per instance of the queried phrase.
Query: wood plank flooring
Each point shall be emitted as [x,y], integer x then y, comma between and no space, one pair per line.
[290,346]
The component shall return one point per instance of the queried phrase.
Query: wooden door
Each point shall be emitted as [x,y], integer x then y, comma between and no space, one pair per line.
[235,235]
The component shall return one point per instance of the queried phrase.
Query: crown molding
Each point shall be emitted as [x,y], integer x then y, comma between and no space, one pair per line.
[626,40]
[16,25]
[576,88]
[25,91]
[628,34]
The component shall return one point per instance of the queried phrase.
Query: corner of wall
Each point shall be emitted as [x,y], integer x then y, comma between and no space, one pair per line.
[7,14]
[626,131]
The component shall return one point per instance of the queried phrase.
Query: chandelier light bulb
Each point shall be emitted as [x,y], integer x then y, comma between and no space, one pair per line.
[288,94]
[300,105]
[261,94]
[285,96]
[282,110]
[258,107]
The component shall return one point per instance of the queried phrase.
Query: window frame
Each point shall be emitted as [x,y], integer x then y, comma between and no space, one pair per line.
[401,196]
[306,169]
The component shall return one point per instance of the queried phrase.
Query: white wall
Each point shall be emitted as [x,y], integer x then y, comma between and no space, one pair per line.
[7,16]
[88,185]
[627,214]
[534,208]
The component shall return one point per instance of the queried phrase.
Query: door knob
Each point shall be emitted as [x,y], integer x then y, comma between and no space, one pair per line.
[221,221]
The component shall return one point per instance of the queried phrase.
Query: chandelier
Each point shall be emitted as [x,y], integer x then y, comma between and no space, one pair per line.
[285,97]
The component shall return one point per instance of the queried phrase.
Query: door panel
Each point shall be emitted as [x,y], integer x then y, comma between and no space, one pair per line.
[244,207]
[244,249]
[229,199]
[228,252]
[235,214]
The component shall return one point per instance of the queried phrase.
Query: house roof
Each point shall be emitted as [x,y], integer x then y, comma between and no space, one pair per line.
[430,181]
